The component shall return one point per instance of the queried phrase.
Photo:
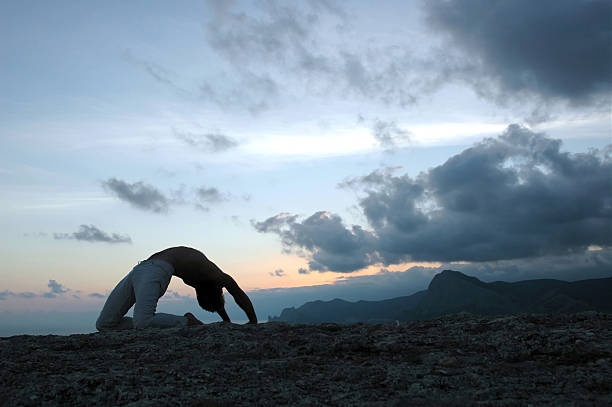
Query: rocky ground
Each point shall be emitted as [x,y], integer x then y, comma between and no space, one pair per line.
[458,360]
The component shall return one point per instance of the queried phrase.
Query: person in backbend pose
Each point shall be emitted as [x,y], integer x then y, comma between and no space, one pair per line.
[148,281]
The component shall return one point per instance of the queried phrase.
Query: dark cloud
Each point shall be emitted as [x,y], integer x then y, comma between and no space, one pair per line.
[514,196]
[96,295]
[329,244]
[277,273]
[302,270]
[138,194]
[90,233]
[209,142]
[511,197]
[555,49]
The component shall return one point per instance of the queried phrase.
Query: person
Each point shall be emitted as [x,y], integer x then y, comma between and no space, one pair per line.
[148,281]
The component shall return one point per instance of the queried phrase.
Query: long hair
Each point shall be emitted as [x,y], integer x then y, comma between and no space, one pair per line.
[210,297]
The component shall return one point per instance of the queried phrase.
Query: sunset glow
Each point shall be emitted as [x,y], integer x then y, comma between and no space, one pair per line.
[309,149]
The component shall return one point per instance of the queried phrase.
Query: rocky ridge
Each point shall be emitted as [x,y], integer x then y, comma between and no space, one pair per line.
[451,292]
[561,359]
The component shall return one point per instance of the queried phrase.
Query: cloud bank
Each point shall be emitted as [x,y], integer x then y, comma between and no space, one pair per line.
[515,196]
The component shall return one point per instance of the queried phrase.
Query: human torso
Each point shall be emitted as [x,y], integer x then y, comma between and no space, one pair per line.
[189,264]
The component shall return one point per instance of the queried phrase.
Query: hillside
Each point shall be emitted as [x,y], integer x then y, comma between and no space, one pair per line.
[561,359]
[340,311]
[452,292]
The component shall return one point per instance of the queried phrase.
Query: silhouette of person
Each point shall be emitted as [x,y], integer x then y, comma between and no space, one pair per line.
[148,281]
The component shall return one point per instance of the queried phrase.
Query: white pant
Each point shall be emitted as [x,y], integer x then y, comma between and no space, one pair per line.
[143,286]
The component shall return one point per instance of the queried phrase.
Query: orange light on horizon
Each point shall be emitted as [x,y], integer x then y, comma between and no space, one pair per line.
[292,278]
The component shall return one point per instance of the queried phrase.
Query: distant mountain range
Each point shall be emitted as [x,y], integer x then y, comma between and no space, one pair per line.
[452,292]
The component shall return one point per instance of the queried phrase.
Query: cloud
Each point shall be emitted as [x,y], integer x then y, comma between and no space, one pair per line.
[155,71]
[208,195]
[96,295]
[208,142]
[274,223]
[176,295]
[255,92]
[90,233]
[515,196]
[36,234]
[138,194]
[6,294]
[149,198]
[277,273]
[570,267]
[55,289]
[553,49]
[389,135]
[302,270]
[273,52]
[277,49]
[329,244]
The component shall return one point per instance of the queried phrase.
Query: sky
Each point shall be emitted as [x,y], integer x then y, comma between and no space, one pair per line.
[312,150]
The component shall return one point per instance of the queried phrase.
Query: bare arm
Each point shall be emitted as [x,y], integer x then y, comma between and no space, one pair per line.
[223,315]
[240,297]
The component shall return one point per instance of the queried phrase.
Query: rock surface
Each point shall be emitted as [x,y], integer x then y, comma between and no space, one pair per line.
[457,360]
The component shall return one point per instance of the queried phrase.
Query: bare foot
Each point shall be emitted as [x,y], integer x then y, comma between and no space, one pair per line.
[192,320]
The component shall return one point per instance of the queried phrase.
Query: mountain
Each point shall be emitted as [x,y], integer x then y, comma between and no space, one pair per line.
[451,292]
[341,311]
